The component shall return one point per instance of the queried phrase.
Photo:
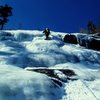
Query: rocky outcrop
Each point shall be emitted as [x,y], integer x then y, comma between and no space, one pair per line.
[66,74]
[88,41]
[69,38]
[94,44]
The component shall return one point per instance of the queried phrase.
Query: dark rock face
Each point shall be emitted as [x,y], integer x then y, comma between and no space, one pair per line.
[90,42]
[54,77]
[67,72]
[57,82]
[69,38]
[94,44]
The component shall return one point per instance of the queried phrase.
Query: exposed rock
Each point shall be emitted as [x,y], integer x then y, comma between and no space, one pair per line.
[69,38]
[57,82]
[94,44]
[54,76]
[68,72]
[89,41]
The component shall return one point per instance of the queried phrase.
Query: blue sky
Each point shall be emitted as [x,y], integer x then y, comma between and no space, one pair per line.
[58,15]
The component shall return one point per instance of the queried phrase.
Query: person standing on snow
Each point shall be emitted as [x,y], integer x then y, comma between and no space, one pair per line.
[47,33]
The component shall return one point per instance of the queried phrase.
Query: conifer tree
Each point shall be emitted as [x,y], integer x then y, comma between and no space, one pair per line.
[5,12]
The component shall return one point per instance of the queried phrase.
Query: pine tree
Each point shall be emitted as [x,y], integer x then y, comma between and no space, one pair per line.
[5,12]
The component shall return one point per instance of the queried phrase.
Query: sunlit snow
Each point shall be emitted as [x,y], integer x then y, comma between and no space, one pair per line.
[20,49]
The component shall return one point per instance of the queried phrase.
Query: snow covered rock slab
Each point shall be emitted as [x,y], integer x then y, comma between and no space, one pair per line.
[6,36]
[18,84]
[60,74]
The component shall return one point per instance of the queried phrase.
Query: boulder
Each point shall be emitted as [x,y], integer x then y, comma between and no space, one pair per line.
[94,43]
[70,38]
[89,41]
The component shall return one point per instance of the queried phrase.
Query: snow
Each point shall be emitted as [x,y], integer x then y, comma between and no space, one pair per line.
[18,84]
[21,49]
[78,91]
